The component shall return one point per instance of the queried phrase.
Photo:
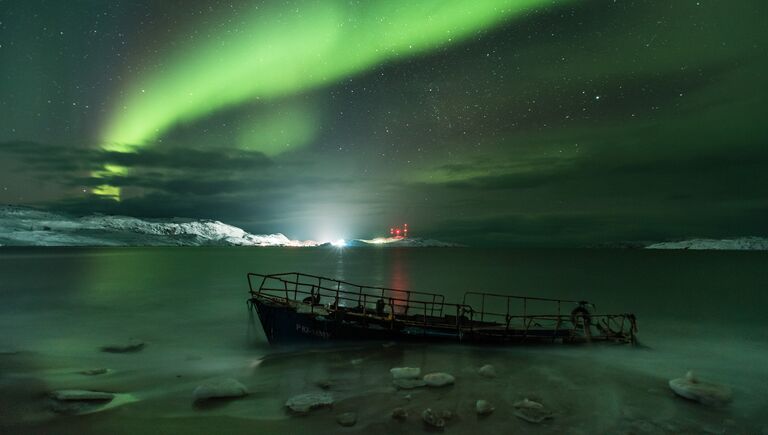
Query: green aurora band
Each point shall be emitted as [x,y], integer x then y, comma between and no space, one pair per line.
[271,53]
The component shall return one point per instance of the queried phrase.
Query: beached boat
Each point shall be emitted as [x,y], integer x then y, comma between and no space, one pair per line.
[300,307]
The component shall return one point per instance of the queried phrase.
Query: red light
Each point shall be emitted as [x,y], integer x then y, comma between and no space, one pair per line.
[399,232]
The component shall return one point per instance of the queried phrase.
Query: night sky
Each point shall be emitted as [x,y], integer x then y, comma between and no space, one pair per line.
[518,122]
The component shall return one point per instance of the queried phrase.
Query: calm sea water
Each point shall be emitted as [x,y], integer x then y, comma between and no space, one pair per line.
[696,310]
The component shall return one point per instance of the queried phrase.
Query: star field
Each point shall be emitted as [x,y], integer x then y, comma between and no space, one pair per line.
[523,122]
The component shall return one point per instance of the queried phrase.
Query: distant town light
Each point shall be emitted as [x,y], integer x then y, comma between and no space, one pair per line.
[399,232]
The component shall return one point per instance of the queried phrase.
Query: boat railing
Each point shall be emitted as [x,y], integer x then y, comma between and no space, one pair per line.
[510,315]
[517,315]
[517,304]
[295,286]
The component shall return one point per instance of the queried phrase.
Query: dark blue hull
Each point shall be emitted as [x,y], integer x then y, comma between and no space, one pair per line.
[284,324]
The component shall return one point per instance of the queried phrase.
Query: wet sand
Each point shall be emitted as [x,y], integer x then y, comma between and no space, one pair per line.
[589,389]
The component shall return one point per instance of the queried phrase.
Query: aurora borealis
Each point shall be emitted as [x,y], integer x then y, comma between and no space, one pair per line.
[268,52]
[523,122]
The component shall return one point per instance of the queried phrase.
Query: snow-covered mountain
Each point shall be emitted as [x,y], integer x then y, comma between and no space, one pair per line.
[22,226]
[736,244]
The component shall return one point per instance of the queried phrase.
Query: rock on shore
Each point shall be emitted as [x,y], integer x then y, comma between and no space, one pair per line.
[133,345]
[347,419]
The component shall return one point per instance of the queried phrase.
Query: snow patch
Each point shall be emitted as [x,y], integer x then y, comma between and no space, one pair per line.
[736,244]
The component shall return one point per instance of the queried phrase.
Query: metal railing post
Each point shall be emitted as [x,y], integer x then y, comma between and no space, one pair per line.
[296,286]
[407,303]
[482,308]
[432,307]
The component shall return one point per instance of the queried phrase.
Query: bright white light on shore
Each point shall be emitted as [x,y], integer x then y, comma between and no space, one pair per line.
[339,243]
[382,240]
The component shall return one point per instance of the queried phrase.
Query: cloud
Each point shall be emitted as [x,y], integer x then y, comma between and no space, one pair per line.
[172,170]
[495,174]
[182,159]
[65,158]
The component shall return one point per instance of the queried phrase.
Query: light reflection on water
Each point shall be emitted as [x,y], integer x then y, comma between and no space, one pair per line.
[398,280]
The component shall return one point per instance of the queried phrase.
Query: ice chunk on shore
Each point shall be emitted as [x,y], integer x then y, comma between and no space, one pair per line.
[438,379]
[531,411]
[219,389]
[483,407]
[304,403]
[707,393]
[431,419]
[487,371]
[405,372]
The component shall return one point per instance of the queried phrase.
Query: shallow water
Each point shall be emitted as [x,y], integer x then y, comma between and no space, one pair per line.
[696,310]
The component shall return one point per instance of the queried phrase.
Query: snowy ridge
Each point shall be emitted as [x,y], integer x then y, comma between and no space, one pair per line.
[736,244]
[410,242]
[21,226]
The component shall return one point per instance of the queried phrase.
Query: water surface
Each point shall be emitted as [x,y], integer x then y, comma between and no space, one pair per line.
[696,310]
